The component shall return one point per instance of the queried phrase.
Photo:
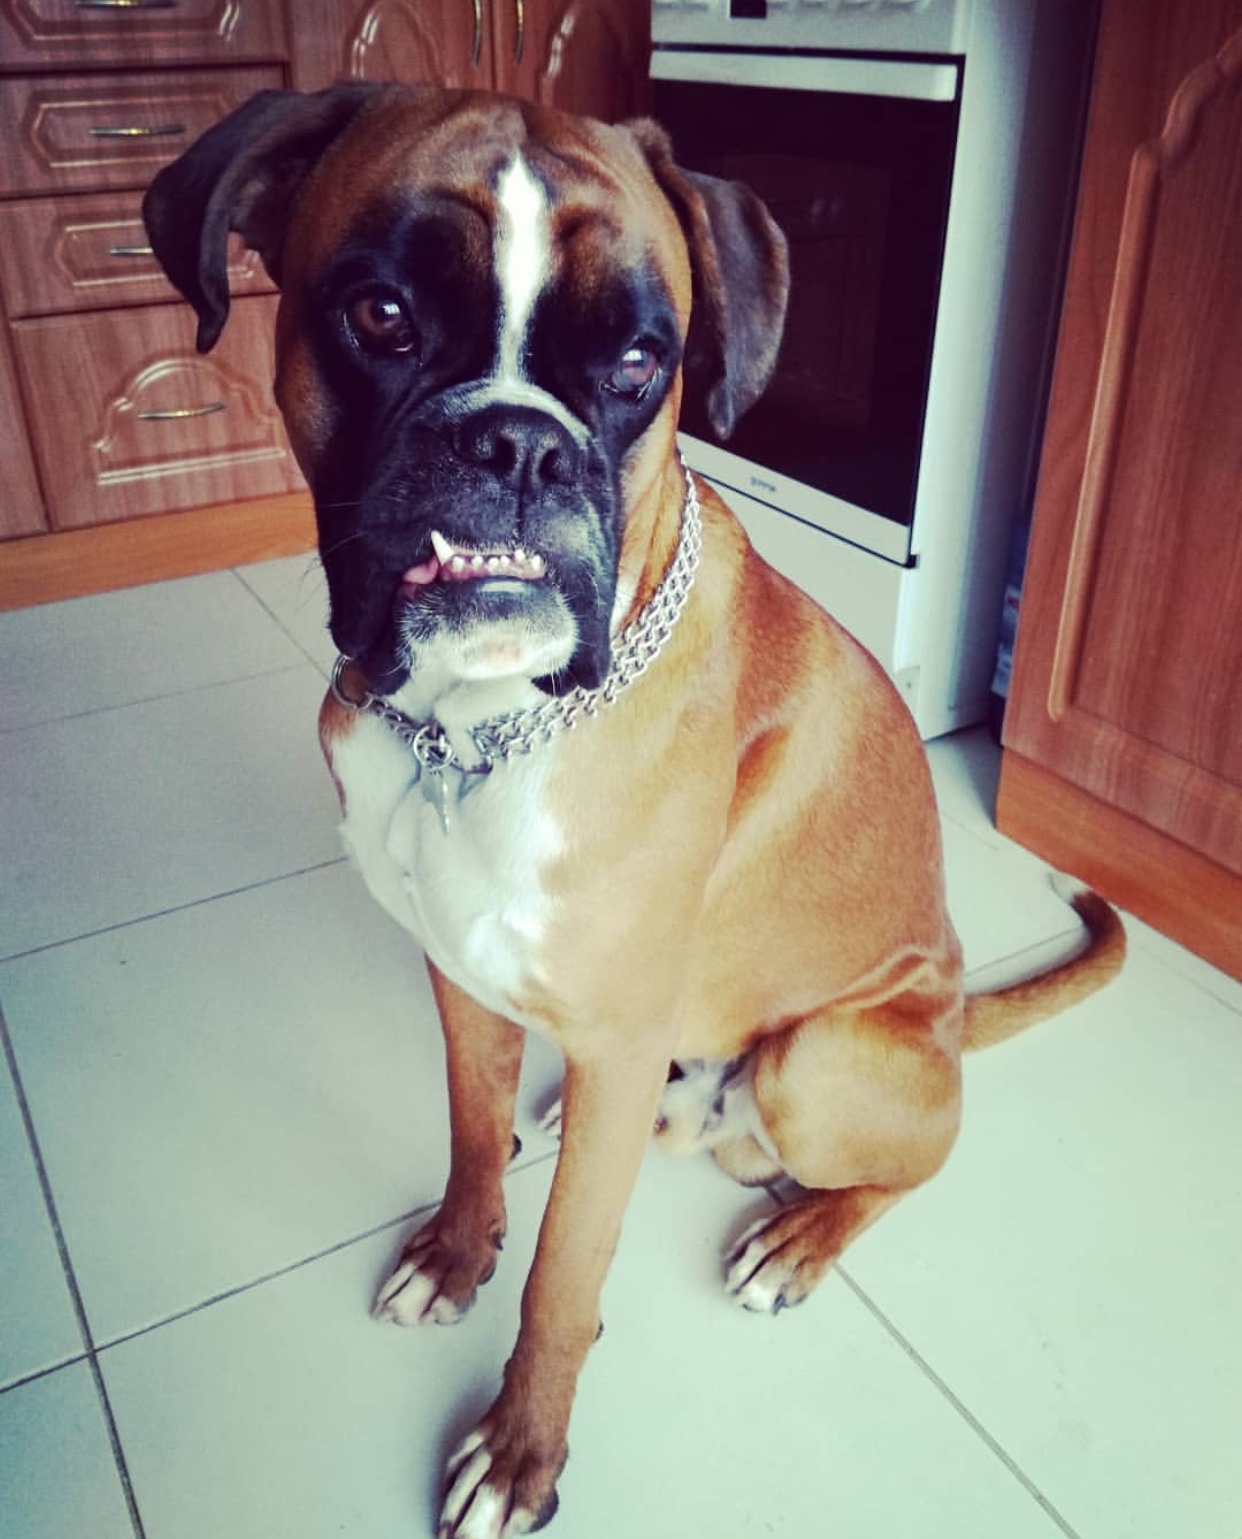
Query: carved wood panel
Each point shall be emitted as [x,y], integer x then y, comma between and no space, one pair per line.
[1156,532]
[92,131]
[446,42]
[66,34]
[129,419]
[587,56]
[21,506]
[1128,676]
[91,253]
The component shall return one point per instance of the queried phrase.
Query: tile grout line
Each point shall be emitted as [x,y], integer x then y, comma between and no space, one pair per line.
[71,1283]
[398,1221]
[275,618]
[157,699]
[962,1409]
[176,908]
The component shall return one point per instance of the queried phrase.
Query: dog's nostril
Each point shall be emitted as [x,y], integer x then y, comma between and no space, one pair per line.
[551,466]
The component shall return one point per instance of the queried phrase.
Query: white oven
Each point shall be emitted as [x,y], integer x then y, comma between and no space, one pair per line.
[919,155]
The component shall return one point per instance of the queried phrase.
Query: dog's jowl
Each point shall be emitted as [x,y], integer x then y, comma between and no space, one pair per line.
[731,863]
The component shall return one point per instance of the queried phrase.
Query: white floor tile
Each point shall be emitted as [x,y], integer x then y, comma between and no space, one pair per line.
[296,1414]
[111,817]
[113,649]
[225,1090]
[1002,905]
[1073,1273]
[38,1327]
[295,591]
[57,1474]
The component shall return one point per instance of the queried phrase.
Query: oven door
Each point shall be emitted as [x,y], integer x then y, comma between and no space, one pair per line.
[854,158]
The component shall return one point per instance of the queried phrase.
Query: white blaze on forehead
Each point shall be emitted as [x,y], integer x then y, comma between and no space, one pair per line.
[523,247]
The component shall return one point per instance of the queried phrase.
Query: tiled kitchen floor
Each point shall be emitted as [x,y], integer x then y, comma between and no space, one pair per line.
[224,1102]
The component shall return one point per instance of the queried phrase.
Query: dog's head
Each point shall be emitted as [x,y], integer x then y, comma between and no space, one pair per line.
[485,312]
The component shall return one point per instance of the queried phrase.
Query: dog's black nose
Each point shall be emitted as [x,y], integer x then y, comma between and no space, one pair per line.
[522,447]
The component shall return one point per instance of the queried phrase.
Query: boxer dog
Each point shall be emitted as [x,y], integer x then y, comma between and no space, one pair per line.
[626,785]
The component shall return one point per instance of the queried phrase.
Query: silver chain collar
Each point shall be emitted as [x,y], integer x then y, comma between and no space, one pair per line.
[500,738]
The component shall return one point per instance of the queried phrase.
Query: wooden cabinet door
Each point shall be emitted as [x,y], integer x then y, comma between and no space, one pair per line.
[447,42]
[586,56]
[128,419]
[1128,674]
[21,506]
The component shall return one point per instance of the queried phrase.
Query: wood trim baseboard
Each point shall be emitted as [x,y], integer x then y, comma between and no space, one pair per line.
[1174,888]
[47,567]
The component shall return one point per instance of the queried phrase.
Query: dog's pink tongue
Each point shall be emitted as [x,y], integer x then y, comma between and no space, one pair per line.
[422,574]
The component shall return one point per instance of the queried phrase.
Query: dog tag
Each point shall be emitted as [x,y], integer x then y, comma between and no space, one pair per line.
[435,788]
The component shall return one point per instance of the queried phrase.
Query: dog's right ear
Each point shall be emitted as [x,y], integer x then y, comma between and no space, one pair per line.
[241,175]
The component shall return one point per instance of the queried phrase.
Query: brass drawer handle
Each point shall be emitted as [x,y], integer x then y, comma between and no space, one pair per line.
[130,251]
[140,131]
[180,413]
[125,5]
[519,46]
[476,52]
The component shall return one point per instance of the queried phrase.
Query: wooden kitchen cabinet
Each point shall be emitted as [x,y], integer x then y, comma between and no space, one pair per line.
[94,99]
[1123,738]
[581,55]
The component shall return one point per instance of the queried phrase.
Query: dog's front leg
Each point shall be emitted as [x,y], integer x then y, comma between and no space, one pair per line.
[442,1266]
[502,1479]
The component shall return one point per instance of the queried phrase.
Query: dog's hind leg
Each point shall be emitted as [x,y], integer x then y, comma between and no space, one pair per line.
[862,1105]
[441,1267]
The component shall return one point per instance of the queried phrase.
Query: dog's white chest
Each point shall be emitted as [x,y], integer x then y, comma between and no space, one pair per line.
[471,894]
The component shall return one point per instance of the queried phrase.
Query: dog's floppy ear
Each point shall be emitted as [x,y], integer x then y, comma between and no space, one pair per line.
[740,264]
[241,175]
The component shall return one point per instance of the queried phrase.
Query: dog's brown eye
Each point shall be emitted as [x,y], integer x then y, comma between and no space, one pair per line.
[380,324]
[635,374]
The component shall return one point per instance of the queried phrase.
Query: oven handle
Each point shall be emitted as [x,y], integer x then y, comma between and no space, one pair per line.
[912,80]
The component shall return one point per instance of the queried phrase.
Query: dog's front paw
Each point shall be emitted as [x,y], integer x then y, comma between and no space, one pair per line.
[438,1276]
[499,1483]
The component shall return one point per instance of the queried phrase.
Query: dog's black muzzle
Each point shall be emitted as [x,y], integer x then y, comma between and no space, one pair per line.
[490,477]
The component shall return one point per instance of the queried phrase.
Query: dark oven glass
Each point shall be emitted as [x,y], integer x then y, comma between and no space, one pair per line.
[860,186]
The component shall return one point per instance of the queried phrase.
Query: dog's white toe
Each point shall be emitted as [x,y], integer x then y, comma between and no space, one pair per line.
[410,1297]
[475,1507]
[550,1122]
[755,1278]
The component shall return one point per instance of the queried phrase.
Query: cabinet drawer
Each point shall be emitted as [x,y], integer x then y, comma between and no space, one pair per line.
[79,133]
[129,419]
[90,253]
[38,34]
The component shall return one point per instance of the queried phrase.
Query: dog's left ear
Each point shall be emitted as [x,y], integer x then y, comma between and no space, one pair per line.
[739,260]
[241,175]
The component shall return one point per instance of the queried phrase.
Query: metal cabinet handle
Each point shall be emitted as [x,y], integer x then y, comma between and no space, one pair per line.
[476,53]
[180,413]
[130,251]
[140,131]
[125,5]
[519,46]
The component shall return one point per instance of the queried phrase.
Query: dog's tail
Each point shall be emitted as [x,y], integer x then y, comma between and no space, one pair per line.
[1003,1013]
